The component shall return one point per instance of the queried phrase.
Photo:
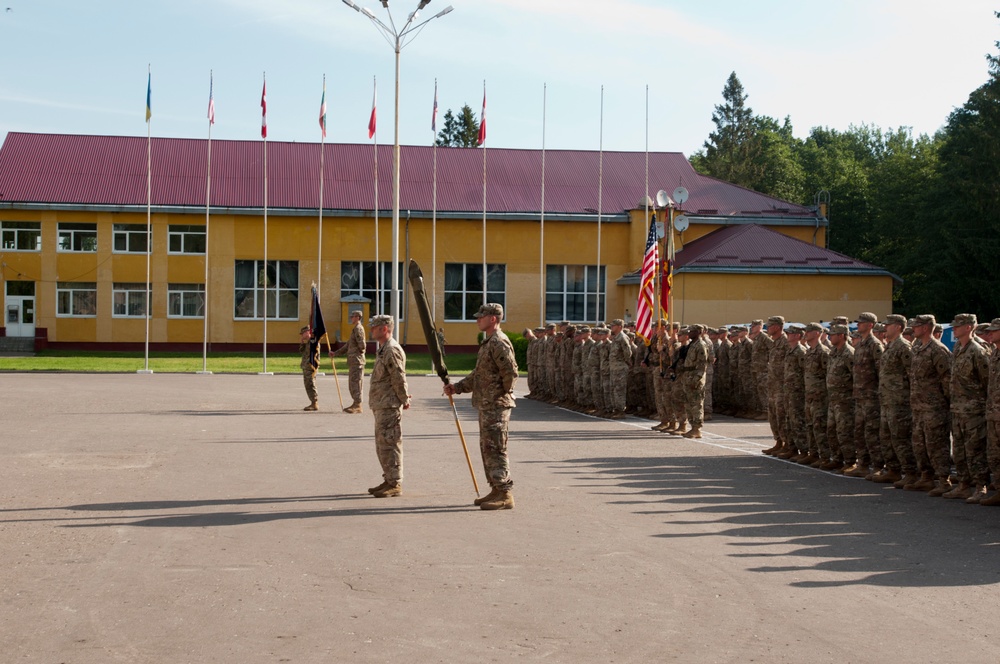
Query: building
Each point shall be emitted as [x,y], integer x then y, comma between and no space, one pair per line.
[73,240]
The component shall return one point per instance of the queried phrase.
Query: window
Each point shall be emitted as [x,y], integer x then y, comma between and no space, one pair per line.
[76,298]
[77,237]
[128,300]
[279,280]
[129,238]
[21,235]
[574,293]
[186,300]
[463,288]
[185,239]
[358,278]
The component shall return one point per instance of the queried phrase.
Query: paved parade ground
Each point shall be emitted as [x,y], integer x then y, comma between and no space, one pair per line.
[188,518]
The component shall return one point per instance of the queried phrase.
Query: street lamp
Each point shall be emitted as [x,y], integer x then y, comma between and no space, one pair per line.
[397,38]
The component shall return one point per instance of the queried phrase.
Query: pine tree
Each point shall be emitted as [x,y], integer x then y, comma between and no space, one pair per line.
[461,131]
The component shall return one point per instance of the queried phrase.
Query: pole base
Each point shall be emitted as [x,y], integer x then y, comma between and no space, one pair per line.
[204,373]
[144,371]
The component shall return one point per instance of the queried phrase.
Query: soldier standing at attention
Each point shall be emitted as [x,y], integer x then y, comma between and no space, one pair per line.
[867,355]
[388,397]
[355,351]
[492,385]
[840,399]
[795,398]
[309,365]
[619,356]
[775,382]
[970,376]
[896,427]
[814,374]
[691,375]
[930,383]
[761,349]
[993,413]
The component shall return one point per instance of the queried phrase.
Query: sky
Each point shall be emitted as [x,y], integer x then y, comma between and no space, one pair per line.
[75,67]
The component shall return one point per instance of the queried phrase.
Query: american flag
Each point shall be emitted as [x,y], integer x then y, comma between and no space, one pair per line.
[647,296]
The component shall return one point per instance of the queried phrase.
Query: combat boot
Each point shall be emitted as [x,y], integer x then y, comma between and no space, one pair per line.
[787,452]
[941,487]
[771,451]
[393,489]
[380,487]
[311,406]
[492,495]
[978,493]
[695,432]
[856,470]
[924,483]
[962,491]
[504,500]
[818,463]
[885,476]
[907,478]
[991,501]
[681,428]
[832,464]
[808,460]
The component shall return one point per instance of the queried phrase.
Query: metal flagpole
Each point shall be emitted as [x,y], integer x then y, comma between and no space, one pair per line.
[541,247]
[378,270]
[482,134]
[322,142]
[600,200]
[434,199]
[263,131]
[149,209]
[208,193]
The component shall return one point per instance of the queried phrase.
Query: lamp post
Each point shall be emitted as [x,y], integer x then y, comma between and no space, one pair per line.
[397,38]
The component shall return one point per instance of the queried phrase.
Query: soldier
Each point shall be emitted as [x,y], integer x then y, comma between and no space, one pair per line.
[492,385]
[354,349]
[749,385]
[775,380]
[691,368]
[814,375]
[736,335]
[993,414]
[388,397]
[655,362]
[744,376]
[567,376]
[619,360]
[723,376]
[930,384]
[761,350]
[549,361]
[535,379]
[579,343]
[896,422]
[679,338]
[309,365]
[867,355]
[840,399]
[970,376]
[711,338]
[594,371]
[794,390]
[938,331]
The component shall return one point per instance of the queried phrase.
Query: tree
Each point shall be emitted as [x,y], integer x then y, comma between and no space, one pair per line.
[461,131]
[732,151]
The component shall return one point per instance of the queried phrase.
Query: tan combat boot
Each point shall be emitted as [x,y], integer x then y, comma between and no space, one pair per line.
[924,483]
[856,470]
[311,406]
[492,495]
[375,489]
[681,428]
[962,491]
[906,479]
[695,432]
[885,476]
[941,487]
[978,494]
[991,501]
[504,500]
[391,490]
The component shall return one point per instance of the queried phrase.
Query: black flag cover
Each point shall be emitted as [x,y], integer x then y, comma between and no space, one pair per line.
[318,328]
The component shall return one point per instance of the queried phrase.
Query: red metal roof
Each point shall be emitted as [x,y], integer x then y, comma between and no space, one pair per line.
[111,170]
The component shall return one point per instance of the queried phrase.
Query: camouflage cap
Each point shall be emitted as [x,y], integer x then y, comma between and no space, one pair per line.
[938,328]
[736,328]
[879,327]
[583,329]
[493,309]
[814,327]
[776,320]
[924,319]
[663,322]
[381,319]
[839,320]
[895,319]
[562,323]
[550,326]
[696,328]
[908,331]
[683,331]
[540,328]
[994,325]
[355,314]
[855,334]
[839,329]
[794,329]
[981,328]
[866,317]
[757,321]
[618,321]
[964,319]
[305,328]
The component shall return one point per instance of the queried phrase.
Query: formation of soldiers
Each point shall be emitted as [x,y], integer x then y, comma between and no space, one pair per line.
[887,401]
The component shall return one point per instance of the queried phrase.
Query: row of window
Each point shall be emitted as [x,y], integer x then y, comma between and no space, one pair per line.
[126,238]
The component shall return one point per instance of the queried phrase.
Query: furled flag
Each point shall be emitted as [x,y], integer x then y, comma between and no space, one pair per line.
[317,326]
[371,120]
[149,97]
[644,308]
[263,111]
[667,278]
[482,120]
[434,113]
[322,109]
[211,100]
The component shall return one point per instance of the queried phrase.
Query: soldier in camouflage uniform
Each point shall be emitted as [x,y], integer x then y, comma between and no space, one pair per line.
[619,361]
[354,349]
[722,378]
[993,413]
[710,337]
[594,370]
[656,362]
[492,385]
[930,385]
[736,335]
[582,334]
[970,376]
[388,397]
[814,375]
[534,377]
[747,386]
[675,388]
[795,398]
[840,399]
[567,378]
[775,381]
[309,365]
[758,369]
[896,423]
[867,355]
[691,370]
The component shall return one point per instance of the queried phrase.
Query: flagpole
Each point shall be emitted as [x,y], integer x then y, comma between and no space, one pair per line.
[149,208]
[541,248]
[600,201]
[322,143]
[208,193]
[263,103]
[378,270]
[434,199]
[482,134]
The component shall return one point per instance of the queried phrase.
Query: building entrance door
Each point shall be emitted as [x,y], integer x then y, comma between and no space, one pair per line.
[19,309]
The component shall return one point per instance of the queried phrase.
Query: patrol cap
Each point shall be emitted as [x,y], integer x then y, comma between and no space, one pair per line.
[562,323]
[539,329]
[550,326]
[305,328]
[866,317]
[938,328]
[683,330]
[663,322]
[981,327]
[757,321]
[879,327]
[618,321]
[696,328]
[493,309]
[583,329]
[794,329]
[839,320]
[776,320]
[924,319]
[994,325]
[736,328]
[855,334]
[381,319]
[964,319]
[355,313]
[814,327]
[908,331]
[839,329]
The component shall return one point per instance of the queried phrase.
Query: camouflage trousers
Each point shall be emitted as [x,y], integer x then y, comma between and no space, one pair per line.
[617,387]
[752,403]
[676,404]
[968,435]
[896,434]
[993,449]
[661,387]
[709,379]
[840,430]
[596,391]
[355,378]
[816,416]
[776,416]
[309,378]
[493,446]
[930,443]
[389,442]
[866,440]
[795,418]
[693,394]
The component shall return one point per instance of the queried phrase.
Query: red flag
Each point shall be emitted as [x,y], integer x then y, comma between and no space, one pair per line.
[211,100]
[667,278]
[434,113]
[263,111]
[322,109]
[371,120]
[482,120]
[644,308]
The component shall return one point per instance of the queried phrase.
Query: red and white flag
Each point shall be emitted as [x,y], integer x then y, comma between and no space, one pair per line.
[211,100]
[434,113]
[371,120]
[322,109]
[482,120]
[263,111]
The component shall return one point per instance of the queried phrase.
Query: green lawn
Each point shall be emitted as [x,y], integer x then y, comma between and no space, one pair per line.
[130,362]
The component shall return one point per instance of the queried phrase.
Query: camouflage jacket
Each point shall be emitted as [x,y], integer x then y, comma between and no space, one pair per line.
[355,347]
[993,393]
[310,356]
[817,360]
[840,374]
[894,374]
[746,359]
[761,352]
[867,356]
[930,377]
[621,351]
[388,387]
[577,358]
[970,378]
[592,358]
[722,363]
[695,362]
[776,365]
[794,376]
[492,380]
